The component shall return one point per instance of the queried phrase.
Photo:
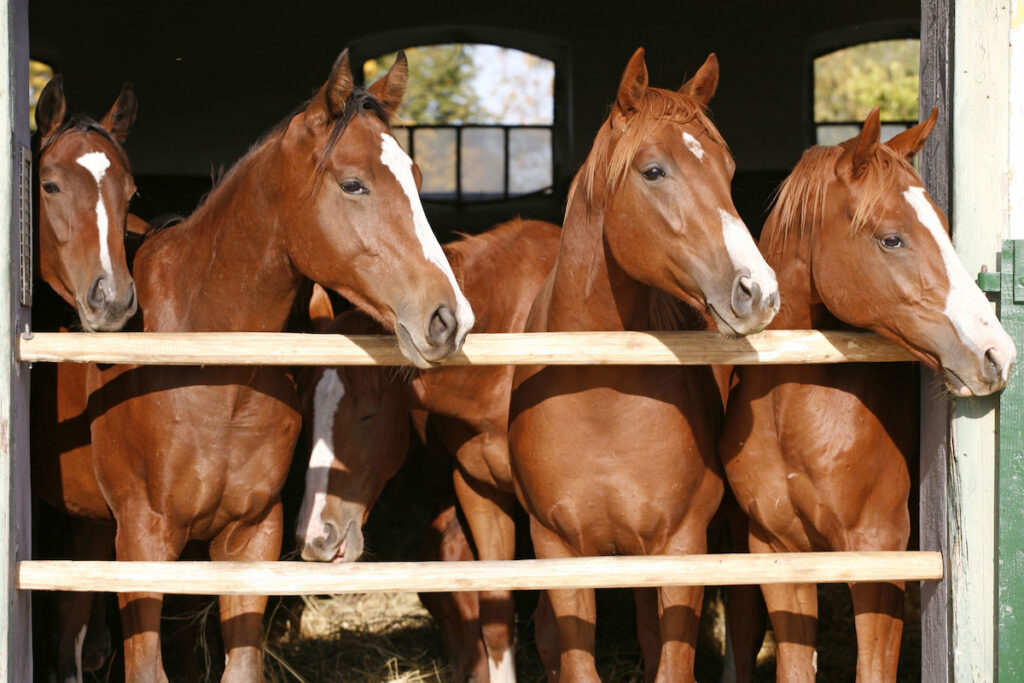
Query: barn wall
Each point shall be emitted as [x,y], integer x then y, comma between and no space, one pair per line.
[213,76]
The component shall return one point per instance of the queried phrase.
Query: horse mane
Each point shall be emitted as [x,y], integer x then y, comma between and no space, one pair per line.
[81,123]
[359,100]
[800,201]
[658,107]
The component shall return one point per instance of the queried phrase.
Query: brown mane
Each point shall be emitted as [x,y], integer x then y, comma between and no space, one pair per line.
[657,108]
[800,200]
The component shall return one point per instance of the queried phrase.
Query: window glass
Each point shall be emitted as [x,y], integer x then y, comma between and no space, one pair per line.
[848,83]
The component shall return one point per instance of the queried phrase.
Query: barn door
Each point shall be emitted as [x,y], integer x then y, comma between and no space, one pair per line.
[15,176]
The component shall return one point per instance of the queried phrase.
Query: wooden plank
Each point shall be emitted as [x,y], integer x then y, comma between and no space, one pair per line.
[306,578]
[549,348]
[936,86]
[15,521]
[979,216]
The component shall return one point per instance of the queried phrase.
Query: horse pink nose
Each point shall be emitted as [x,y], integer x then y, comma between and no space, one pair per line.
[747,297]
[442,327]
[994,371]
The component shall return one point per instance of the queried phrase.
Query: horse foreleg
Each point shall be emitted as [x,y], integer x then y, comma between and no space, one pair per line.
[878,615]
[545,635]
[457,614]
[493,531]
[241,616]
[575,613]
[679,615]
[648,632]
[84,641]
[745,615]
[793,610]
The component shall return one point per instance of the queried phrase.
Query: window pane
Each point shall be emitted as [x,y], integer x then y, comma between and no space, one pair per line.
[848,83]
[435,154]
[402,136]
[833,134]
[530,166]
[483,163]
[472,83]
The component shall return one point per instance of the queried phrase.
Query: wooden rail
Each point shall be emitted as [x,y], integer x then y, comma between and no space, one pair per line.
[549,348]
[305,578]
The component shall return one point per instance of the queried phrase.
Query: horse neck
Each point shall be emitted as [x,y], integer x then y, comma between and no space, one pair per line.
[226,268]
[590,290]
[788,251]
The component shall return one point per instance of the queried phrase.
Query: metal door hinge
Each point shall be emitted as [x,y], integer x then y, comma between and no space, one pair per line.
[25,224]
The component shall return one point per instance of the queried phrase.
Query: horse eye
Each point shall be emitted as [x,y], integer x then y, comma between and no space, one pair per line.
[51,188]
[652,173]
[891,242]
[353,187]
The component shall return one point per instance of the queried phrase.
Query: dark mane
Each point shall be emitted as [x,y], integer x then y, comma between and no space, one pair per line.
[80,123]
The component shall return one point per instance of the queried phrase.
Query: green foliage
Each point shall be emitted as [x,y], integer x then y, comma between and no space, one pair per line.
[848,83]
[39,75]
[440,84]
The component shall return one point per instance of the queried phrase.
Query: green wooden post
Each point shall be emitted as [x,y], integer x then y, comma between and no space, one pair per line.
[1010,471]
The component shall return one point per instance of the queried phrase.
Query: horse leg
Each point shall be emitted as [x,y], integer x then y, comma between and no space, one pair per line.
[647,629]
[143,535]
[745,615]
[545,635]
[84,641]
[679,615]
[575,613]
[793,610]
[241,616]
[457,614]
[878,615]
[493,531]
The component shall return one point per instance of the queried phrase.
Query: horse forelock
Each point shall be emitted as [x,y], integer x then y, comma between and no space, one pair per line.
[616,145]
[359,102]
[799,202]
[81,123]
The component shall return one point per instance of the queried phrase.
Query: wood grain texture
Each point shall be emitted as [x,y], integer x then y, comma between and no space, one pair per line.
[549,348]
[302,578]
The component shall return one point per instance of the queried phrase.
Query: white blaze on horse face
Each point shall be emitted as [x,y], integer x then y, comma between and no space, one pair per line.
[744,253]
[967,309]
[395,158]
[328,394]
[97,164]
[694,146]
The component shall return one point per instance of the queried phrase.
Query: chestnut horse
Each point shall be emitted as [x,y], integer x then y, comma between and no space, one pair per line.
[817,454]
[468,409]
[84,185]
[201,454]
[621,460]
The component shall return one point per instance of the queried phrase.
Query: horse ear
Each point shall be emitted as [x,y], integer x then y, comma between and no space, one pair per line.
[321,312]
[909,142]
[121,117]
[390,88]
[633,84]
[864,146]
[704,83]
[51,108]
[329,102]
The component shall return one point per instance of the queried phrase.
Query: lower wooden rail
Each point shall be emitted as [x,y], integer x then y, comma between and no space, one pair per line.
[546,348]
[305,578]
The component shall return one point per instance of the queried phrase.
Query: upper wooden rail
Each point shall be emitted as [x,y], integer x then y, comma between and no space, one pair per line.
[548,348]
[309,578]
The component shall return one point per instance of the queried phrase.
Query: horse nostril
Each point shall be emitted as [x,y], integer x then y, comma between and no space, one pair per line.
[993,370]
[97,296]
[442,326]
[746,296]
[329,540]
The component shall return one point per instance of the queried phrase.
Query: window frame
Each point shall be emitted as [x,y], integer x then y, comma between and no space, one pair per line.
[850,36]
[546,47]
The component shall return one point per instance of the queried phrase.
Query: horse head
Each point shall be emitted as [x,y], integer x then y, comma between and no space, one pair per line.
[84,187]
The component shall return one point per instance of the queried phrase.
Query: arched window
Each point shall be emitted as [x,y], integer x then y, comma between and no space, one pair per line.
[485,115]
[849,82]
